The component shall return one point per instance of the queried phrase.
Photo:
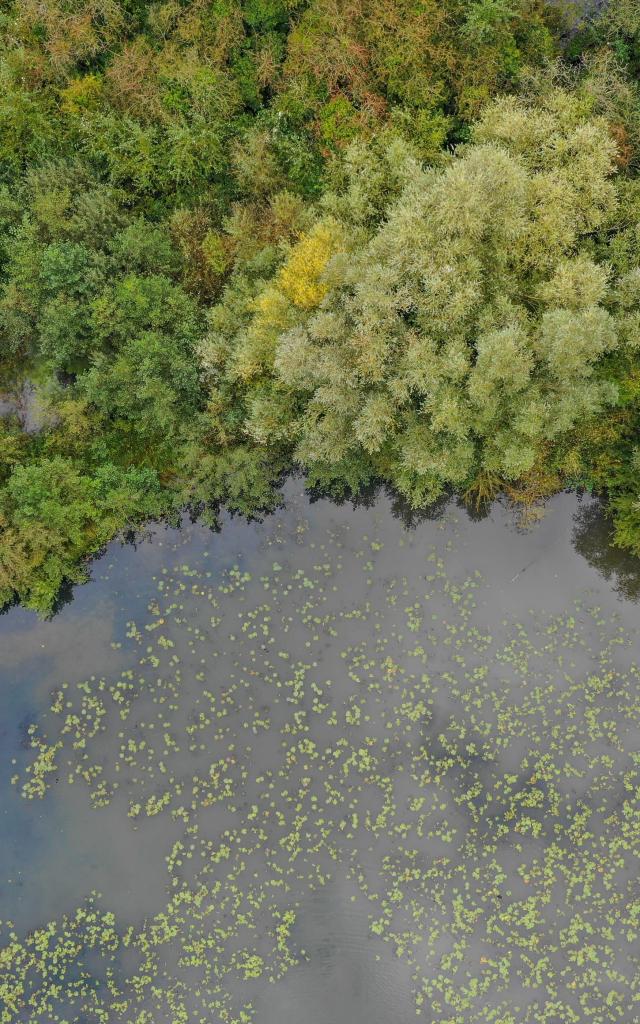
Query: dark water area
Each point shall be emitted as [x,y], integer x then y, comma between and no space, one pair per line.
[338,766]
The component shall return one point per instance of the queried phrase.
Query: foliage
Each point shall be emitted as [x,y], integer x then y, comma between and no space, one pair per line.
[458,334]
[52,515]
[217,222]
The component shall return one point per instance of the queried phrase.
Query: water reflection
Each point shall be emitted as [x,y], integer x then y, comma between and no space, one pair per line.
[593,539]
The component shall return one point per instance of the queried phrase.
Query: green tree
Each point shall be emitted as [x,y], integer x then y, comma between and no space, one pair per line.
[52,515]
[459,335]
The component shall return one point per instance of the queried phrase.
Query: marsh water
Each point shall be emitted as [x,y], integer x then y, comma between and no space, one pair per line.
[340,766]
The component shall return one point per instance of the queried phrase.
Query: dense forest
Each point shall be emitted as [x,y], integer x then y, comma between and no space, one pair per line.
[393,240]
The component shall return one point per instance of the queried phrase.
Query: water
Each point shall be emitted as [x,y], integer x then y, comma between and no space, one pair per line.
[28,404]
[335,767]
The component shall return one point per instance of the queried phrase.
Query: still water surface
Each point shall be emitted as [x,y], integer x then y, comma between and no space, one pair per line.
[335,767]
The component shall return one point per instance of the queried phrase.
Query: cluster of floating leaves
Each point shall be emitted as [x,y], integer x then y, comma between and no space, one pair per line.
[479,794]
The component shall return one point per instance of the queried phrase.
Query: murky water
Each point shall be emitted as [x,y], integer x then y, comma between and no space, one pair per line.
[335,767]
[28,405]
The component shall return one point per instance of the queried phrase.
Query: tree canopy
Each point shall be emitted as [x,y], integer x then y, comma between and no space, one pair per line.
[389,241]
[451,332]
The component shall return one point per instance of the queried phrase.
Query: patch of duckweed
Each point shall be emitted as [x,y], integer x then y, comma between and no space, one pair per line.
[480,792]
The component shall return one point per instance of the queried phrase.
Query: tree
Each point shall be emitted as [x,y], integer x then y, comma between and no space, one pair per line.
[144,380]
[460,335]
[52,514]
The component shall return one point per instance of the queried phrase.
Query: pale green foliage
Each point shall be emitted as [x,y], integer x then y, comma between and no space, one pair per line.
[458,322]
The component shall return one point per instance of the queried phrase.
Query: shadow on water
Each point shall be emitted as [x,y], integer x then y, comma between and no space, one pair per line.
[593,539]
[64,597]
[592,535]
[369,496]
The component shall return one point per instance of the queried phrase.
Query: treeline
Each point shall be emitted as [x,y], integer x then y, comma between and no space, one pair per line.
[381,240]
